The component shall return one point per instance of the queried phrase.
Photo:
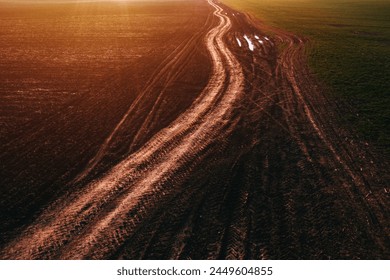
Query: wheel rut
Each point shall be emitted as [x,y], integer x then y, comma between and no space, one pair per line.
[255,168]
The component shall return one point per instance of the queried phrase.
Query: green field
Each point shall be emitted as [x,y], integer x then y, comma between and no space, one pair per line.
[349,52]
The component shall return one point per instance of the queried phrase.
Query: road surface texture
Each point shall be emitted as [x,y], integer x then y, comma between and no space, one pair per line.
[256,167]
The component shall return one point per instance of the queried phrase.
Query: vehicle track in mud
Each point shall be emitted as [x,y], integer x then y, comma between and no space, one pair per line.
[256,168]
[38,163]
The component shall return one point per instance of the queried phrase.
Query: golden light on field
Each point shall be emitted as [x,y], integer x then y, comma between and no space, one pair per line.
[183,129]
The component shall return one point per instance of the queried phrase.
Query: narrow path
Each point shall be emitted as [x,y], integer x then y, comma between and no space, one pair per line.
[257,168]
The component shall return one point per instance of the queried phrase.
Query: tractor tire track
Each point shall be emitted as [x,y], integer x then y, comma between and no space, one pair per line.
[256,168]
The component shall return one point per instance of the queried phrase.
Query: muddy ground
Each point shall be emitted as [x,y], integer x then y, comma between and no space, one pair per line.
[192,137]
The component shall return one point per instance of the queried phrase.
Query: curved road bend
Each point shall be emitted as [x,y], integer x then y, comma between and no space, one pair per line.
[261,175]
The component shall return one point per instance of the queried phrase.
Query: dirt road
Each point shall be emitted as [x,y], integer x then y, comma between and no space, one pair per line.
[257,167]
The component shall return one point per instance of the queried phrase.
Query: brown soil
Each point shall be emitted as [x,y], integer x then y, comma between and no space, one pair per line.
[227,151]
